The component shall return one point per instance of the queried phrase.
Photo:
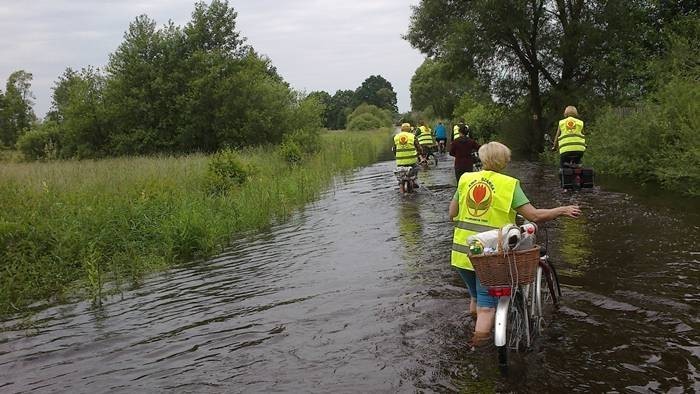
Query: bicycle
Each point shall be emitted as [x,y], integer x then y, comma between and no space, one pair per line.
[428,158]
[441,146]
[517,278]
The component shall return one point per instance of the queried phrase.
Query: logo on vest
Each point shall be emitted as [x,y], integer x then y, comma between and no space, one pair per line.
[403,140]
[570,125]
[479,199]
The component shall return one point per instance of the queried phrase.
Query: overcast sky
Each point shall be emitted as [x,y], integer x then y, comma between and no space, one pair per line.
[315,44]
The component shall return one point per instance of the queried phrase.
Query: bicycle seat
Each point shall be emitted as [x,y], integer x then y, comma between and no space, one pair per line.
[543,251]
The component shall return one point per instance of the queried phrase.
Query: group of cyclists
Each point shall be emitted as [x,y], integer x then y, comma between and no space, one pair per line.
[486,199]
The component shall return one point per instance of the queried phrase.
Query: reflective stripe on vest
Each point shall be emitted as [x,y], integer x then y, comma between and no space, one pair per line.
[455,132]
[485,199]
[405,150]
[571,135]
[425,139]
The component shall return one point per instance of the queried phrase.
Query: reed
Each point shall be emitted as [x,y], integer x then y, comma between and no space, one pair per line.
[69,227]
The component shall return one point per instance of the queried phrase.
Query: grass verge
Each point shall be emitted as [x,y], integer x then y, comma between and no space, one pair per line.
[69,227]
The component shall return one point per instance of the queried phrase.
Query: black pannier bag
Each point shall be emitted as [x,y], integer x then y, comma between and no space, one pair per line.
[576,178]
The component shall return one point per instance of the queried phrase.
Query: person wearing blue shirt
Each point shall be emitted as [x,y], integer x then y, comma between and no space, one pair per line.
[441,136]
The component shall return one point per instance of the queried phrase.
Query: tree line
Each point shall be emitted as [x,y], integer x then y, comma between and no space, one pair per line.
[516,64]
[174,89]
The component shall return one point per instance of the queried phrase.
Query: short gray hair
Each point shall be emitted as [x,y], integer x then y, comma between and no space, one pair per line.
[494,156]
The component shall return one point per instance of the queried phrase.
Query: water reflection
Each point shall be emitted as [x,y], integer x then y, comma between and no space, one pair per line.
[575,245]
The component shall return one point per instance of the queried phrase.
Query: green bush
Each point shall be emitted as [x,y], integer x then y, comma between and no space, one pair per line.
[290,152]
[369,117]
[226,170]
[41,142]
[656,141]
[483,118]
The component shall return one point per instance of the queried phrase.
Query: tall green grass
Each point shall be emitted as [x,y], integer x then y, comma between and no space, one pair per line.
[69,227]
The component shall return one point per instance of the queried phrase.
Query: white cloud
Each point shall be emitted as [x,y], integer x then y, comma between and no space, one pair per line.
[315,44]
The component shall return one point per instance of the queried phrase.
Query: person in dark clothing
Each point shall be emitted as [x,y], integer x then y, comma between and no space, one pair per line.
[462,149]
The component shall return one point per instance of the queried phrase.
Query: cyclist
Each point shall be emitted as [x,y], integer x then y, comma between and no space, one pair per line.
[406,149]
[425,139]
[462,149]
[441,136]
[569,138]
[488,200]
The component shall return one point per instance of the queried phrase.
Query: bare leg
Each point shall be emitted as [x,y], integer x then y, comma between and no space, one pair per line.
[484,324]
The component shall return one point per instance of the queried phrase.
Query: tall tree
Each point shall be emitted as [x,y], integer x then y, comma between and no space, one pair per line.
[341,106]
[17,112]
[530,47]
[377,91]
[436,88]
[325,99]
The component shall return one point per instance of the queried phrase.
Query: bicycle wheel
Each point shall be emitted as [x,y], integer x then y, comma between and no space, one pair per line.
[546,292]
[432,160]
[517,330]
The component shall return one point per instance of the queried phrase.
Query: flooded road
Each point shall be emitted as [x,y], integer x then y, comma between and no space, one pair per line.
[355,294]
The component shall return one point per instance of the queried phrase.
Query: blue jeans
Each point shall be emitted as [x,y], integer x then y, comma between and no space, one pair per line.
[476,290]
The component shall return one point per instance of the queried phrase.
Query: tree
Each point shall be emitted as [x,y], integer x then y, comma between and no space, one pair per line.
[325,99]
[544,49]
[17,113]
[213,28]
[435,88]
[341,106]
[377,91]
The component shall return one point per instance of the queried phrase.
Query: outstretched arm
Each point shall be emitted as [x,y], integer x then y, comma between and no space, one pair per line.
[533,214]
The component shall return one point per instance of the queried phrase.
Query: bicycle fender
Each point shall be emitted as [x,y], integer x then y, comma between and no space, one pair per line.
[501,321]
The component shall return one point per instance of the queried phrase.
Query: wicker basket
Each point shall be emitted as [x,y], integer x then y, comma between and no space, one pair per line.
[505,269]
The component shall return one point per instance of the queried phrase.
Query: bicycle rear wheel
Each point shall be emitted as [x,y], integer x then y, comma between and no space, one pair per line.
[517,330]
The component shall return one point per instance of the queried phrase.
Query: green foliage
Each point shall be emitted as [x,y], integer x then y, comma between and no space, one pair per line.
[376,90]
[483,117]
[227,170]
[369,117]
[341,106]
[81,224]
[41,142]
[657,141]
[548,52]
[291,152]
[436,90]
[16,113]
[178,90]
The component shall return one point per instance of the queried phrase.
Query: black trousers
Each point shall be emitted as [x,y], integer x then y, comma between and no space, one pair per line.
[570,157]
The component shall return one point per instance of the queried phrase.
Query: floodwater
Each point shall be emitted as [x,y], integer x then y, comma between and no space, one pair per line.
[355,294]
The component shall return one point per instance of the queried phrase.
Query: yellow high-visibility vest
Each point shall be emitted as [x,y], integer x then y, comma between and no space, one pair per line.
[406,154]
[571,135]
[455,132]
[485,199]
[425,137]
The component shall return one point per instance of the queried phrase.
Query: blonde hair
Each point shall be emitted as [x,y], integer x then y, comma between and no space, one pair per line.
[570,111]
[494,156]
[406,127]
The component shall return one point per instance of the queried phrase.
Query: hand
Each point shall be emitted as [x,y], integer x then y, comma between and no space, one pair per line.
[572,211]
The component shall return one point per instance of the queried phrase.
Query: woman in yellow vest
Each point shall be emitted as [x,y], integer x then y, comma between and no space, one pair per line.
[406,149]
[569,138]
[484,201]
